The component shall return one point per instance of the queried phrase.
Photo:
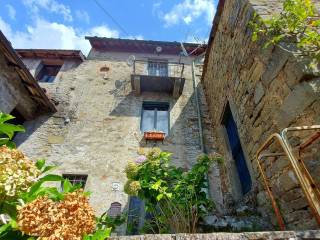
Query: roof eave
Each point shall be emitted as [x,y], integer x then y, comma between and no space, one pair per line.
[30,79]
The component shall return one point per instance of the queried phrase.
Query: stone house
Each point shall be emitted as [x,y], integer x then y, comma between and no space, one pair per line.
[20,93]
[106,102]
[253,92]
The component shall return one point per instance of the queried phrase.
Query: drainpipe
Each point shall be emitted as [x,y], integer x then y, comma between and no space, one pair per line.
[198,107]
[202,148]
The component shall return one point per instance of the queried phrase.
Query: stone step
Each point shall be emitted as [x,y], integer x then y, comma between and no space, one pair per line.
[283,235]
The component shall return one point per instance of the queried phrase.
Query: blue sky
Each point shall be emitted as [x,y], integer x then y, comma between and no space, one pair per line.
[64,23]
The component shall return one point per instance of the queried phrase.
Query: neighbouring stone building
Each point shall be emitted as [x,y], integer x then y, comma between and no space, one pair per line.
[20,94]
[88,115]
[253,92]
[106,102]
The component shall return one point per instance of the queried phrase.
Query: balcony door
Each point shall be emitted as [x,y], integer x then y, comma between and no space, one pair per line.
[157,68]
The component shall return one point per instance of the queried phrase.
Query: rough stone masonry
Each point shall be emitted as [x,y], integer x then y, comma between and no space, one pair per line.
[267,90]
[96,129]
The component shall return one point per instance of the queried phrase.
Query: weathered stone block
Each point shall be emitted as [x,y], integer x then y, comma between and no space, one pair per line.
[258,92]
[298,100]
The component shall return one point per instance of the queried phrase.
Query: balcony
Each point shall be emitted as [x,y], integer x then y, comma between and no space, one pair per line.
[157,76]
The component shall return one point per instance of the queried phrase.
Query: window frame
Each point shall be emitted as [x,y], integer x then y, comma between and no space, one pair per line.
[43,72]
[236,151]
[160,104]
[158,63]
[75,181]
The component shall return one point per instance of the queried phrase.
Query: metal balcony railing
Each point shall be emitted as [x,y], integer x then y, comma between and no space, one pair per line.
[158,68]
[310,187]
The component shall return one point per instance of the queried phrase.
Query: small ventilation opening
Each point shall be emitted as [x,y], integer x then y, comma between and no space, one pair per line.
[114,210]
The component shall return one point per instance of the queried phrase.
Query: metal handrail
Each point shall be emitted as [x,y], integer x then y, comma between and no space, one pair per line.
[176,66]
[306,181]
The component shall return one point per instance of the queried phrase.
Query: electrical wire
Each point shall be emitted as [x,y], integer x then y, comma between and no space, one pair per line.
[111,17]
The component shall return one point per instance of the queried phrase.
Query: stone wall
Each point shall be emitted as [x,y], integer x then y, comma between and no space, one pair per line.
[96,129]
[289,235]
[267,90]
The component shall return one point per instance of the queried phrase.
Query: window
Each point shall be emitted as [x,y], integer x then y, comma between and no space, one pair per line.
[114,210]
[157,68]
[237,152]
[155,116]
[48,73]
[76,179]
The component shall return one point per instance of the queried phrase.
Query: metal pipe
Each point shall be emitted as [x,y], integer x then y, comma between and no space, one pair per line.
[309,188]
[304,177]
[198,108]
[266,183]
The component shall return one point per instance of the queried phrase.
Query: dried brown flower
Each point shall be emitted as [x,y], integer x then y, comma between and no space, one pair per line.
[64,220]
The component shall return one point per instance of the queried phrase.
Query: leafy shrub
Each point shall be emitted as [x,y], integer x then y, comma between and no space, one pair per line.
[298,23]
[175,199]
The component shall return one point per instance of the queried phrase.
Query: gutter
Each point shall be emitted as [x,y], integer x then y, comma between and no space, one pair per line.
[195,90]
[202,148]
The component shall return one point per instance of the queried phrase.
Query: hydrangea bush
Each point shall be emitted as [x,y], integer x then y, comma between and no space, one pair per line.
[176,199]
[36,211]
[70,218]
[17,173]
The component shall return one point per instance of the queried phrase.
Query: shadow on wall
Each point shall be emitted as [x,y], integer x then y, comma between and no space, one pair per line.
[32,127]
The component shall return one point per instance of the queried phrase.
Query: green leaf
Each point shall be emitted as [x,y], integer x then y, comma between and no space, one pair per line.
[86,237]
[13,224]
[5,227]
[47,178]
[160,196]
[48,168]
[5,117]
[67,186]
[156,185]
[3,141]
[9,129]
[11,144]
[101,234]
[52,193]
[10,209]
[40,164]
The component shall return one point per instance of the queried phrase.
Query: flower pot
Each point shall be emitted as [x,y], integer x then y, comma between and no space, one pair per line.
[154,135]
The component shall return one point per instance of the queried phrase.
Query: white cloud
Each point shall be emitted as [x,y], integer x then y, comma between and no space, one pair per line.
[83,16]
[11,11]
[156,8]
[52,35]
[137,37]
[189,10]
[51,6]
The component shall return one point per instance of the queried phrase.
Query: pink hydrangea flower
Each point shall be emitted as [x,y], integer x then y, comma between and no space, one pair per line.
[141,159]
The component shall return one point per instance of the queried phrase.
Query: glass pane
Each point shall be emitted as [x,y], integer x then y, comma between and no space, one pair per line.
[158,69]
[163,121]
[163,69]
[147,120]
